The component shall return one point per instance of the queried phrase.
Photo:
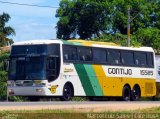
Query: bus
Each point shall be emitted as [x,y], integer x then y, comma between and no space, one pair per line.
[57,68]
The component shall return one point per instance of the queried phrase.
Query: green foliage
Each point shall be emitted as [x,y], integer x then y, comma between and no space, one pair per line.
[119,39]
[144,14]
[3,76]
[142,37]
[3,79]
[90,18]
[149,37]
[106,20]
[86,18]
[79,99]
[5,31]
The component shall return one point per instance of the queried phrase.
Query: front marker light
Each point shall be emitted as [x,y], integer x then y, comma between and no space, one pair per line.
[39,90]
[39,83]
[10,83]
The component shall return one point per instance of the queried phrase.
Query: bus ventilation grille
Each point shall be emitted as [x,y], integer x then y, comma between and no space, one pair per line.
[149,88]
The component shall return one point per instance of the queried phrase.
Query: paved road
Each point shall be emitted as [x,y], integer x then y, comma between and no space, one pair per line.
[94,106]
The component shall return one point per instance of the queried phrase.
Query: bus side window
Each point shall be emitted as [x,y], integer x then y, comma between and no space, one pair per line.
[73,53]
[66,57]
[66,52]
[150,60]
[141,59]
[127,58]
[114,57]
[85,54]
[99,55]
[70,53]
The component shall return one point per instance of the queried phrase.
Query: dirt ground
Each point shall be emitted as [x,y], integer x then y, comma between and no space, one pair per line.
[86,107]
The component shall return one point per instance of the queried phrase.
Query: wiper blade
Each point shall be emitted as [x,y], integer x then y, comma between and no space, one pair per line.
[33,55]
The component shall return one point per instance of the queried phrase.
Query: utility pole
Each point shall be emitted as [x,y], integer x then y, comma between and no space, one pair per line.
[7,95]
[128,29]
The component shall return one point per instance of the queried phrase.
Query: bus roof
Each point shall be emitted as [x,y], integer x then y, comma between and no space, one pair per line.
[84,43]
[106,45]
[36,42]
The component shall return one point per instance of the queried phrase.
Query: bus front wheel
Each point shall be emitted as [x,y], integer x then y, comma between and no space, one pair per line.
[67,92]
[34,98]
[126,93]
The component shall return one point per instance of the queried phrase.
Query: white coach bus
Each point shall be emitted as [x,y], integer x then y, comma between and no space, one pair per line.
[48,68]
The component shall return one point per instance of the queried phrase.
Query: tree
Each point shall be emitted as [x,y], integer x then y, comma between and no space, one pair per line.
[5,31]
[119,39]
[4,57]
[86,18]
[149,37]
[106,20]
[91,18]
[144,14]
[3,75]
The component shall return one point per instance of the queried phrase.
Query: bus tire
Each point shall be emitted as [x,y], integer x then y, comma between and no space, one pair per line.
[34,98]
[67,92]
[126,93]
[135,93]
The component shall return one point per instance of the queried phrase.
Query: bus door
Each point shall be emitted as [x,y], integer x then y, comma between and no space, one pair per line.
[53,66]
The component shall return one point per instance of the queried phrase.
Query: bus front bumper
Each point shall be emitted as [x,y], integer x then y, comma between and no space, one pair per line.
[33,91]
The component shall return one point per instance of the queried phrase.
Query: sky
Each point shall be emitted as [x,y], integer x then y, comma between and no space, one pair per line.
[31,23]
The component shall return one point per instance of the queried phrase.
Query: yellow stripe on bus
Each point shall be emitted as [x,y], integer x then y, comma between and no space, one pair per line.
[100,75]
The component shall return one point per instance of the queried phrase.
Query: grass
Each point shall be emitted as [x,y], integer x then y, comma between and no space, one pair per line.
[72,114]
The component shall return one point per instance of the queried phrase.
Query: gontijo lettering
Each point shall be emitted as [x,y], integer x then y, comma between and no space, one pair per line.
[120,71]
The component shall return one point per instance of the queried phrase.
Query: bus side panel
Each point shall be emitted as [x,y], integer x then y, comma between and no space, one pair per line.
[89,80]
[70,75]
[115,81]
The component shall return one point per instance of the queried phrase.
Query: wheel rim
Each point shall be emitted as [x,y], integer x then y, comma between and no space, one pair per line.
[126,94]
[67,93]
[135,94]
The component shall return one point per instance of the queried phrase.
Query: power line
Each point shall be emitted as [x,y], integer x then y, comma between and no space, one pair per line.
[24,4]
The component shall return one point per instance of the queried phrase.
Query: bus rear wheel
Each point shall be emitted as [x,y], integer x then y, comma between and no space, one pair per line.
[67,93]
[135,93]
[126,93]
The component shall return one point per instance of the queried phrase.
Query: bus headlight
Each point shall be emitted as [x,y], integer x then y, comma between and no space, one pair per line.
[11,92]
[39,90]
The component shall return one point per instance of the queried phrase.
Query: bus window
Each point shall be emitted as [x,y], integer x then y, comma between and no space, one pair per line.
[127,58]
[140,59]
[53,68]
[150,59]
[99,55]
[73,53]
[70,53]
[85,54]
[54,49]
[114,56]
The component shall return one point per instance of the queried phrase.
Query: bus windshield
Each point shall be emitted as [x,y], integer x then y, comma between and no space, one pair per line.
[28,49]
[28,62]
[27,68]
